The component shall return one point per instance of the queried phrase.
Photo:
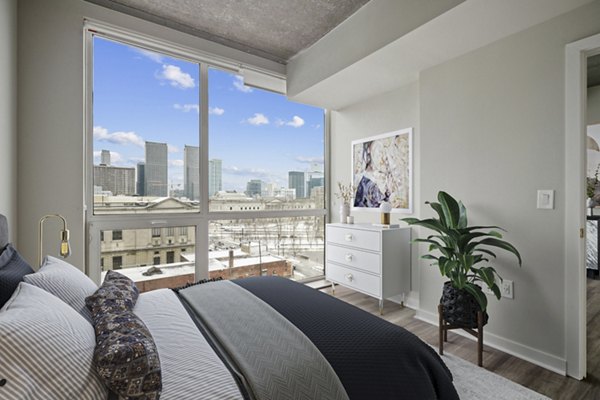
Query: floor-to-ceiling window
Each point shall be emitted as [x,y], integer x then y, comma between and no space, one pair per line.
[192,174]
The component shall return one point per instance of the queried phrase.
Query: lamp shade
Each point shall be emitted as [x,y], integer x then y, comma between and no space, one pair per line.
[385,207]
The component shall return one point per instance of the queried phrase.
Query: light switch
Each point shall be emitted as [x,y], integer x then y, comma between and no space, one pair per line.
[545,199]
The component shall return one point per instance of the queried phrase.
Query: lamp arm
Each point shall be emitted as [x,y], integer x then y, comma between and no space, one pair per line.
[64,234]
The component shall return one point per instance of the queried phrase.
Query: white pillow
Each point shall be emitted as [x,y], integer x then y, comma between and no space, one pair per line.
[47,349]
[66,282]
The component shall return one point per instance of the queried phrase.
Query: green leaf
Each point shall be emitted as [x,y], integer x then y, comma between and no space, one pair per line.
[438,209]
[486,251]
[429,257]
[478,294]
[503,245]
[430,223]
[494,288]
[474,228]
[462,219]
[450,209]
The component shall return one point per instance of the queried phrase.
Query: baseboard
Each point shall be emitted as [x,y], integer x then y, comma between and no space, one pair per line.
[410,301]
[534,356]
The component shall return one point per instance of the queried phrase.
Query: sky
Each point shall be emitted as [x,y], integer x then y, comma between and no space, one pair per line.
[145,96]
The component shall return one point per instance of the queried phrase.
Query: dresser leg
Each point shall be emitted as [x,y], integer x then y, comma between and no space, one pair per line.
[380,306]
[333,288]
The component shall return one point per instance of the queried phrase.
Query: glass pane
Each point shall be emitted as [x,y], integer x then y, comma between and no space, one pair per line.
[266,153]
[153,258]
[146,131]
[288,247]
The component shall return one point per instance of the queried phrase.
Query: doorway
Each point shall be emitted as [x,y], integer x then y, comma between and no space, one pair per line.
[577,54]
[592,121]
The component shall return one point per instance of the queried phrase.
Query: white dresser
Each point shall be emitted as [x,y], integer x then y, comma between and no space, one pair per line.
[369,259]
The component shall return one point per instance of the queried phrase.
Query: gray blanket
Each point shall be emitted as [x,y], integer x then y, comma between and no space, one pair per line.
[276,359]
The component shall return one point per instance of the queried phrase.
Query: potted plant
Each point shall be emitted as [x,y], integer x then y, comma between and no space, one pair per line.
[462,254]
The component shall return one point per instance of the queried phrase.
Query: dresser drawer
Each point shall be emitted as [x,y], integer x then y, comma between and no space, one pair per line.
[351,278]
[368,240]
[360,259]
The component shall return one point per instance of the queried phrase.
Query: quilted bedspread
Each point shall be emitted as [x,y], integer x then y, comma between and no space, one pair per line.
[359,355]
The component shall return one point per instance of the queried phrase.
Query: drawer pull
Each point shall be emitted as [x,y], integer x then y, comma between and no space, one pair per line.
[349,237]
[349,277]
[349,257]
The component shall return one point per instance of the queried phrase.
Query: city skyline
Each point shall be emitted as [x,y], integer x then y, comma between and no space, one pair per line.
[143,96]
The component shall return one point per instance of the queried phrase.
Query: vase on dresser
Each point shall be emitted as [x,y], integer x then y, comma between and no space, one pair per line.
[344,212]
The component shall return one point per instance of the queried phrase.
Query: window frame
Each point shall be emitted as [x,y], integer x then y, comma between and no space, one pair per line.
[201,218]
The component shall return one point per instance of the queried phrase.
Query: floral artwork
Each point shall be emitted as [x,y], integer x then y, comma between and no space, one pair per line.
[382,170]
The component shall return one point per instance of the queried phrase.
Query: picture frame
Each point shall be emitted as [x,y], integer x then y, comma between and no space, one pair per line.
[382,170]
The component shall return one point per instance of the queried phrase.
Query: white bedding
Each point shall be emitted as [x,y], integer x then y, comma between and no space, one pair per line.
[190,367]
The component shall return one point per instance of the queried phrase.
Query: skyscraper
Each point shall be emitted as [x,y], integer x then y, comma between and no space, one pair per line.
[105,158]
[156,170]
[141,179]
[118,180]
[296,181]
[215,182]
[314,183]
[191,172]
[254,187]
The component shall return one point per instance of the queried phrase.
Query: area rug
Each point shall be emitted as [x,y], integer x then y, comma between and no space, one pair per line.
[473,382]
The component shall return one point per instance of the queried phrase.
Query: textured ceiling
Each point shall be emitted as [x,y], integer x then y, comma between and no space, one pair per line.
[273,29]
[593,68]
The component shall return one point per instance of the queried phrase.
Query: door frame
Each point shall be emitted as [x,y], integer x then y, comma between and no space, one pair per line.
[576,55]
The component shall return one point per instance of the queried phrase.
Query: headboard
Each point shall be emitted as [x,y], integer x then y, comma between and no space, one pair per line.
[3,231]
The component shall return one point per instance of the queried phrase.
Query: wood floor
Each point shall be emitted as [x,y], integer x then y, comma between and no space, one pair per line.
[536,378]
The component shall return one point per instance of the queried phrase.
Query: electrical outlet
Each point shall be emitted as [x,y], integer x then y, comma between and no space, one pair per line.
[507,289]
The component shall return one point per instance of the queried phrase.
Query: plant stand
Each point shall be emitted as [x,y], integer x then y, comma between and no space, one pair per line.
[444,327]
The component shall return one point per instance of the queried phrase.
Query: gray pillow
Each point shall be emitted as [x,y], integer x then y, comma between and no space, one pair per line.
[47,349]
[65,282]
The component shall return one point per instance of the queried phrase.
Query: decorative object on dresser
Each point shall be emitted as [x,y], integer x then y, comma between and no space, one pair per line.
[462,247]
[382,171]
[369,259]
[65,247]
[386,209]
[345,193]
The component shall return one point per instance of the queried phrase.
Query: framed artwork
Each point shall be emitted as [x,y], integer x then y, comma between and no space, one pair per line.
[382,171]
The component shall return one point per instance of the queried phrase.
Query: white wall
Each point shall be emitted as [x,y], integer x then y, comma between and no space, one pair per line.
[386,113]
[8,113]
[51,116]
[593,105]
[502,110]
[491,132]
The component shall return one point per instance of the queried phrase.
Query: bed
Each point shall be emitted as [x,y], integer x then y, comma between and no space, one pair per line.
[256,338]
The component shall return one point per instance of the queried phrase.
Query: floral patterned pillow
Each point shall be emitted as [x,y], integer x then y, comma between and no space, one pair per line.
[116,294]
[126,357]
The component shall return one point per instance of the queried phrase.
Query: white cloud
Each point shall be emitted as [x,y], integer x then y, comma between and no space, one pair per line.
[216,111]
[238,83]
[279,122]
[317,126]
[157,58]
[173,149]
[115,158]
[310,160]
[176,163]
[253,173]
[296,122]
[176,77]
[258,119]
[187,107]
[122,138]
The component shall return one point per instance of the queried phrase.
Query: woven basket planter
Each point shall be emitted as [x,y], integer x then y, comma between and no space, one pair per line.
[460,307]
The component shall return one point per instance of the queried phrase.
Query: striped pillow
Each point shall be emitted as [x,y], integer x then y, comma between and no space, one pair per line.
[66,282]
[47,349]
